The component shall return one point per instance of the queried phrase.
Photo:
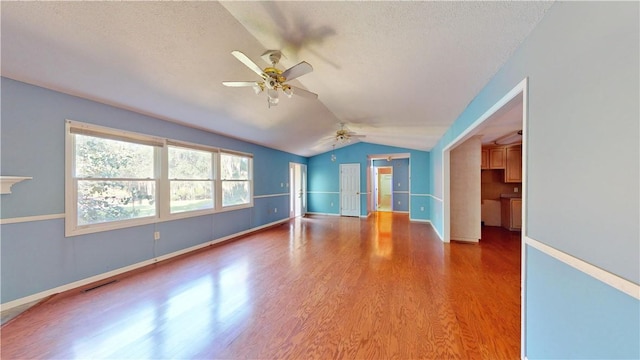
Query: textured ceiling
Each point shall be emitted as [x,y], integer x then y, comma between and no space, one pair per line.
[398,72]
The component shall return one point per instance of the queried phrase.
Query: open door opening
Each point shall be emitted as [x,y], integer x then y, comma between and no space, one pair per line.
[516,102]
[383,188]
[297,190]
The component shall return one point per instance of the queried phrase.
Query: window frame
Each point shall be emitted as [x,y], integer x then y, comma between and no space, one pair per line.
[166,200]
[249,180]
[161,178]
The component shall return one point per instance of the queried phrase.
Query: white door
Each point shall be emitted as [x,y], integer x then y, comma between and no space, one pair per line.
[350,189]
[298,189]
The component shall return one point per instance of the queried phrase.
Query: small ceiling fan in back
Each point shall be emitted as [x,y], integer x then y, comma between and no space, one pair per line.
[273,79]
[344,135]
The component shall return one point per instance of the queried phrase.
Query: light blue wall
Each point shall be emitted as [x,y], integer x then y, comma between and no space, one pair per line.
[37,257]
[578,317]
[582,170]
[324,179]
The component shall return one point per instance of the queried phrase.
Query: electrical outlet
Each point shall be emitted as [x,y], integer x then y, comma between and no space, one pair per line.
[281,184]
[421,208]
[515,189]
[275,210]
[332,204]
[156,235]
[398,202]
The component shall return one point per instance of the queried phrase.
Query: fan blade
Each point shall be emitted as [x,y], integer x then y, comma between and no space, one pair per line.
[248,62]
[304,93]
[297,70]
[239,83]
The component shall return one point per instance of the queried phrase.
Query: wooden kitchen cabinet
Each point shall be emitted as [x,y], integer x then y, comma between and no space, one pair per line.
[513,168]
[511,213]
[497,158]
[493,158]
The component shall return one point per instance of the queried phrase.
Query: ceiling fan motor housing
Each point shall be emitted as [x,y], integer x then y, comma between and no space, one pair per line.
[273,79]
[272,56]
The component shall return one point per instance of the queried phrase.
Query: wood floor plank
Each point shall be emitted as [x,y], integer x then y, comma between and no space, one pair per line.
[314,288]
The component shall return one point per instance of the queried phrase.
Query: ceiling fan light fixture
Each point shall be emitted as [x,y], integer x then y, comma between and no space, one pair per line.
[287,90]
[273,79]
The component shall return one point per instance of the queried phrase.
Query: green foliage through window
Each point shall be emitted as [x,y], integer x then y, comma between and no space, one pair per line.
[191,179]
[235,179]
[100,200]
[118,176]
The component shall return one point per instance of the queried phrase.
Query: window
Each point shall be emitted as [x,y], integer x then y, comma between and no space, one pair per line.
[116,179]
[191,179]
[235,175]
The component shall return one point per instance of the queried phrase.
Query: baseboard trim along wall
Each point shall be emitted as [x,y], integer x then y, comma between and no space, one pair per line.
[437,232]
[324,214]
[463,239]
[613,280]
[122,270]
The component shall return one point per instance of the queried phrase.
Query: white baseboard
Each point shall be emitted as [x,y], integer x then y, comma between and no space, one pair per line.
[437,233]
[92,279]
[421,221]
[325,214]
[460,239]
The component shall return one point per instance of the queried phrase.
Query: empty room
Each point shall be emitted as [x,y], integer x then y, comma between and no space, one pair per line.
[320,180]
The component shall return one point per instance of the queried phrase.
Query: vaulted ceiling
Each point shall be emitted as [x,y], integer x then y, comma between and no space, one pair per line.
[398,73]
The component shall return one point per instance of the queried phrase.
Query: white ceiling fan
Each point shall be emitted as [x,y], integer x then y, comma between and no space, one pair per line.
[340,138]
[273,79]
[344,135]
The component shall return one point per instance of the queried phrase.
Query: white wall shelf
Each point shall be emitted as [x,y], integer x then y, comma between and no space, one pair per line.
[7,182]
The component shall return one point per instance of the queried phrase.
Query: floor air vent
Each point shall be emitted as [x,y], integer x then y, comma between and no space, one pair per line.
[99,286]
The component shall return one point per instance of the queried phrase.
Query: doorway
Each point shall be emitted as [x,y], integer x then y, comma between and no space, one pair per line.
[517,94]
[350,189]
[297,190]
[383,187]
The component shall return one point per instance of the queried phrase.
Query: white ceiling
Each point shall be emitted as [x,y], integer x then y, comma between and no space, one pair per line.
[398,72]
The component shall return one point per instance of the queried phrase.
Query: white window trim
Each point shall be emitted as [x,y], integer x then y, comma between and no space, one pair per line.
[219,188]
[163,212]
[165,201]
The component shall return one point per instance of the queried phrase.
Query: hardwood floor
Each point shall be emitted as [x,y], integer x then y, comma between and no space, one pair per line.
[314,288]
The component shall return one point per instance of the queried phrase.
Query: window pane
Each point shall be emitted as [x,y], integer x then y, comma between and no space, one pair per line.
[235,193]
[105,158]
[189,164]
[103,201]
[234,167]
[191,195]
